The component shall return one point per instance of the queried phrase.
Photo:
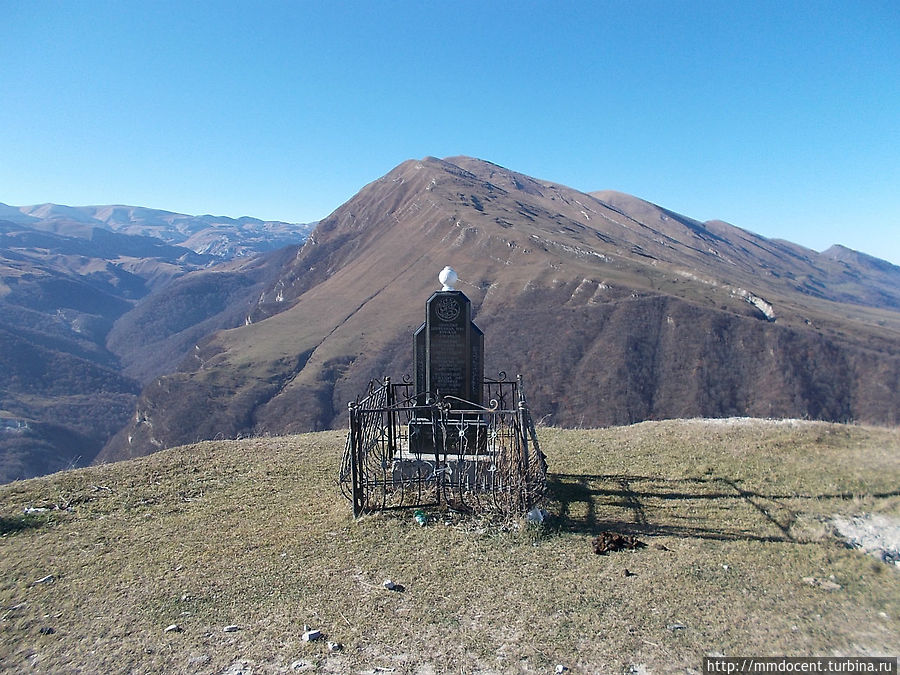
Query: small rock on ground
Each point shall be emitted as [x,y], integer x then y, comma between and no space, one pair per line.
[238,668]
[827,584]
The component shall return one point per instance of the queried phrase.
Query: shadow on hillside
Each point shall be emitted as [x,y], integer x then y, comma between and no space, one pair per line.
[19,523]
[706,508]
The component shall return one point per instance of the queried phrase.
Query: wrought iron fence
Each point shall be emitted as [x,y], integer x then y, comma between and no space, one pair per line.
[403,454]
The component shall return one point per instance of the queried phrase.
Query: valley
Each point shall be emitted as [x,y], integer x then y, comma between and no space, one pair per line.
[76,342]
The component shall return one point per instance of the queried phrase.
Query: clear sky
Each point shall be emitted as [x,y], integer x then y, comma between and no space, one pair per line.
[780,117]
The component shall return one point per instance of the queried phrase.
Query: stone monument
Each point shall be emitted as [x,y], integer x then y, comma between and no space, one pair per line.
[431,440]
[449,363]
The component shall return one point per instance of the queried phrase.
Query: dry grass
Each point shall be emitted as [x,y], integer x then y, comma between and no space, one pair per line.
[254,533]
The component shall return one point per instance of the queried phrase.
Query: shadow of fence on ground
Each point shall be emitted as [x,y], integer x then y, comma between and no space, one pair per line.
[706,508]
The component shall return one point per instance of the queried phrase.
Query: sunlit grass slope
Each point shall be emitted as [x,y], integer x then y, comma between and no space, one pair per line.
[255,534]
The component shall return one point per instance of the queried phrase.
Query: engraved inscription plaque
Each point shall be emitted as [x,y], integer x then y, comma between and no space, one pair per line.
[449,351]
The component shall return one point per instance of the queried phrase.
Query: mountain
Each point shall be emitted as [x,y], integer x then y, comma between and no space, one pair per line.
[154,336]
[614,309]
[219,236]
[88,314]
[62,393]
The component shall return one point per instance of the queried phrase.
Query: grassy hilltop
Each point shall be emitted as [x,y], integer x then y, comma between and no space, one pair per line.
[254,534]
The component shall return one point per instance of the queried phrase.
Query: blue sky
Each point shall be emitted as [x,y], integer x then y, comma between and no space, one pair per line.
[780,117]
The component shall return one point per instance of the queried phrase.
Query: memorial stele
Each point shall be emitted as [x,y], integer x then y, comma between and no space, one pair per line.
[449,362]
[448,436]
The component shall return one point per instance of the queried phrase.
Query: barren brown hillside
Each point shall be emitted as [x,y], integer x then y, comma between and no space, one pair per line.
[614,309]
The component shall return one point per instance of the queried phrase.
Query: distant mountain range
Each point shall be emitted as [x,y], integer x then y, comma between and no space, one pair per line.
[615,310]
[217,236]
[68,276]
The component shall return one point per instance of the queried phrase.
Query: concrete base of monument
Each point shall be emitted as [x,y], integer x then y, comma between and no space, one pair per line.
[470,474]
[403,454]
[464,453]
[465,436]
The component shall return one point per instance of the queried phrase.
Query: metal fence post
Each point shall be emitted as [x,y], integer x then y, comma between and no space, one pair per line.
[355,469]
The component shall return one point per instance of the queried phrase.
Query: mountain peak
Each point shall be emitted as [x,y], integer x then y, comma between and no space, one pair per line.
[613,308]
[848,255]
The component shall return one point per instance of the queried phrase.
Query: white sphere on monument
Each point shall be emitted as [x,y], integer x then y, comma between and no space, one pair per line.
[448,277]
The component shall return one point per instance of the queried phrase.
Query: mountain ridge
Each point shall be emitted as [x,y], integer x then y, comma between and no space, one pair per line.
[221,236]
[613,317]
[75,339]
[614,308]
